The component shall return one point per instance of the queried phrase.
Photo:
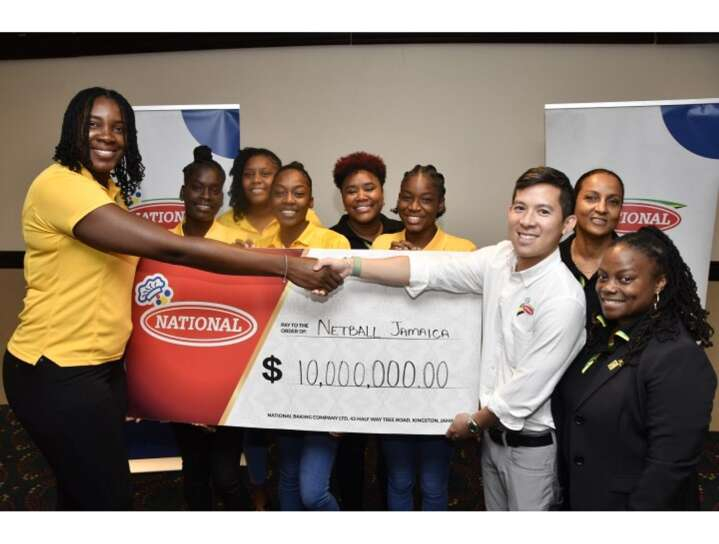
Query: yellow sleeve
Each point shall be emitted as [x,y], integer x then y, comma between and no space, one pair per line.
[61,198]
[469,245]
[455,243]
[383,241]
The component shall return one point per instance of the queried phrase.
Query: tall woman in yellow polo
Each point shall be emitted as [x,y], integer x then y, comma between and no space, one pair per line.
[63,370]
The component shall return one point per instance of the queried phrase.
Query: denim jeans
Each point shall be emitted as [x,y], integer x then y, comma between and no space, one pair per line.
[404,455]
[306,460]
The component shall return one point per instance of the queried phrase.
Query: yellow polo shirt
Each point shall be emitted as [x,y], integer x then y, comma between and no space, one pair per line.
[217,232]
[77,304]
[312,236]
[441,242]
[245,230]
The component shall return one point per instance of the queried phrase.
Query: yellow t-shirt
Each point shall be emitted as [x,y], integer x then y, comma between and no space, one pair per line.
[440,242]
[217,232]
[312,236]
[78,299]
[245,230]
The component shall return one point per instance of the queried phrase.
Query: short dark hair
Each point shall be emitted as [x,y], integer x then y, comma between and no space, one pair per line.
[238,199]
[298,167]
[73,150]
[436,177]
[550,176]
[578,185]
[354,162]
[202,159]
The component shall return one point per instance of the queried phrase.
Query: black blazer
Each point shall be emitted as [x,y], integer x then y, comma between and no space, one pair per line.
[631,437]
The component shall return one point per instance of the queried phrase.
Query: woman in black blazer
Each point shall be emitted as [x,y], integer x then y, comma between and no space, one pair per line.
[633,409]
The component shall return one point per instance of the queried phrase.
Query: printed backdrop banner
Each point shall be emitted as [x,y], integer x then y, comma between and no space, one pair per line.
[166,137]
[667,154]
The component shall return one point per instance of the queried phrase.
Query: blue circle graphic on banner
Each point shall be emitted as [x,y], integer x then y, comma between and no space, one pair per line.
[218,129]
[695,127]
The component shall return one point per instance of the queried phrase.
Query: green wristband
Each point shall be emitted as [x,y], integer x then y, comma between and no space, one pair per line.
[356,266]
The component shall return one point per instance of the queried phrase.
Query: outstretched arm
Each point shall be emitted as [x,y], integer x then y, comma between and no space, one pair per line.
[112,229]
[392,271]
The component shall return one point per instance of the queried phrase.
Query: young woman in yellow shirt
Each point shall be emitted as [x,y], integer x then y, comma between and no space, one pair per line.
[306,458]
[420,203]
[63,370]
[251,213]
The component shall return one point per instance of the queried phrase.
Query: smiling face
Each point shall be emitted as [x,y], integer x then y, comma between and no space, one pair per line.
[202,194]
[362,196]
[257,176]
[598,205]
[627,283]
[290,198]
[418,204]
[106,137]
[535,223]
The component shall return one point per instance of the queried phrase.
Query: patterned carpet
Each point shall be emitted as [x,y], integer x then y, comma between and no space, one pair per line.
[27,484]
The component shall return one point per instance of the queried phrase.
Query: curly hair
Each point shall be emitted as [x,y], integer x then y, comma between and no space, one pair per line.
[678,301]
[354,162]
[437,179]
[238,199]
[202,159]
[73,150]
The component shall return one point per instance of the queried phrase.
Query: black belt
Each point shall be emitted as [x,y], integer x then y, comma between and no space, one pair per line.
[515,439]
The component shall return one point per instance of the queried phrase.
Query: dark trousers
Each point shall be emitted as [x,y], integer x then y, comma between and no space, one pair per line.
[349,470]
[211,460]
[75,416]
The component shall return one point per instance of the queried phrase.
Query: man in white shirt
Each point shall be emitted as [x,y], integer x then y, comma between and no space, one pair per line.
[532,328]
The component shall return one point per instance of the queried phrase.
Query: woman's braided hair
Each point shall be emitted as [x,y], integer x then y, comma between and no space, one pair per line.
[678,301]
[73,150]
[436,177]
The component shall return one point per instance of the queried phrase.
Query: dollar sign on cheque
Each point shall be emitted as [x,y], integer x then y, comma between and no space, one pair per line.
[272,364]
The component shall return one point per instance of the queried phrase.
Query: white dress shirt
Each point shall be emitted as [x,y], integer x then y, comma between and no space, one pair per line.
[532,326]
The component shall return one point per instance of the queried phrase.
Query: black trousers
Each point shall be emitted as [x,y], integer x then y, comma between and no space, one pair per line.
[349,470]
[75,416]
[211,461]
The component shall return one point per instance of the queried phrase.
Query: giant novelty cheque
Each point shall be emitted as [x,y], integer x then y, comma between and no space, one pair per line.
[255,351]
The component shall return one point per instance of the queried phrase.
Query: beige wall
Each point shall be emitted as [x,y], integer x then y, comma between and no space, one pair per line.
[475,111]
